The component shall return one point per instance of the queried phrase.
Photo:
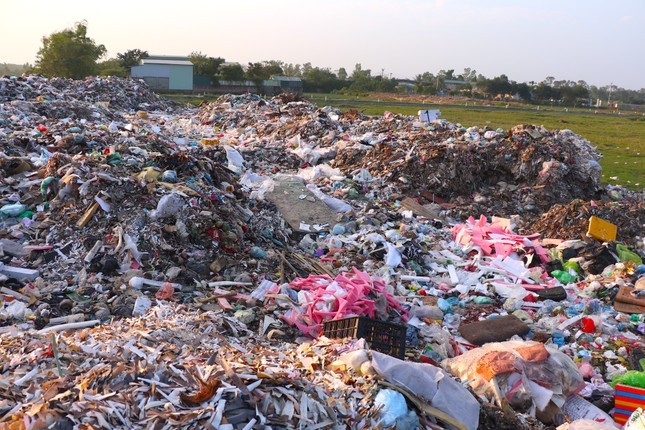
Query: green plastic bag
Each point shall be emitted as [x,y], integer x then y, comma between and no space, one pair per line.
[625,255]
[572,265]
[563,276]
[633,378]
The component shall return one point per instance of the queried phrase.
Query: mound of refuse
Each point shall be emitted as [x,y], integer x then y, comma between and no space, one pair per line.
[108,91]
[265,263]
[526,170]
[570,221]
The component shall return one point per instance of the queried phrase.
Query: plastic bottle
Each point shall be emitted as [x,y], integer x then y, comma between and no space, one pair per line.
[12,210]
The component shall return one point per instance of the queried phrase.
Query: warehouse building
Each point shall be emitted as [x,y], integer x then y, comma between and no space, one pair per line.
[164,72]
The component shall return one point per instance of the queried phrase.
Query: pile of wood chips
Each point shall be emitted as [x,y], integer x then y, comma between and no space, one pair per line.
[177,366]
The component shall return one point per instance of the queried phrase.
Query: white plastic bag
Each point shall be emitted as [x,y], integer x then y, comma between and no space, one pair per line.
[235,159]
[392,405]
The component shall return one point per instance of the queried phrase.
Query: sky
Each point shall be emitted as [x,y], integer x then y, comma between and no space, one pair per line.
[598,41]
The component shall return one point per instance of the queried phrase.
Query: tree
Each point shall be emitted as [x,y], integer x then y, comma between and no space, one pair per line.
[342,74]
[257,72]
[292,70]
[205,66]
[499,85]
[360,74]
[447,74]
[111,67]
[321,80]
[469,75]
[231,72]
[131,58]
[69,53]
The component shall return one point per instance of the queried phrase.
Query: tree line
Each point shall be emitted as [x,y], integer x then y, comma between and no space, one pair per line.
[71,53]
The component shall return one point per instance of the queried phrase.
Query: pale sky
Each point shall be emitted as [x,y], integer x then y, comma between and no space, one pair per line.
[598,41]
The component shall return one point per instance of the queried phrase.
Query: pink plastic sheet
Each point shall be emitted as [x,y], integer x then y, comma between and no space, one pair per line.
[495,240]
[327,298]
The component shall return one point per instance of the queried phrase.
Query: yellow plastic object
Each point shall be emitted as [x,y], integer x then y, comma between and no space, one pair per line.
[207,141]
[602,230]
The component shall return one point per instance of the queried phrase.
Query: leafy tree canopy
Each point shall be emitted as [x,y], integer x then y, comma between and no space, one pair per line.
[69,53]
[131,57]
[231,72]
[205,66]
[257,72]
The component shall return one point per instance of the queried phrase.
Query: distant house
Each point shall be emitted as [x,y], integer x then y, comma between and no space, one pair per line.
[269,87]
[286,84]
[165,72]
[406,85]
[453,84]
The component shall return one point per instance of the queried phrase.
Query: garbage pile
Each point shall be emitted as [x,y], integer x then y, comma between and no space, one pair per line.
[105,91]
[164,265]
[570,221]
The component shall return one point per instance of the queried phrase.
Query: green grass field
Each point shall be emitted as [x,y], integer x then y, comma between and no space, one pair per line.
[620,138]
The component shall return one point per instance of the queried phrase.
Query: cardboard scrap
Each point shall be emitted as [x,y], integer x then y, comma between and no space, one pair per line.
[627,302]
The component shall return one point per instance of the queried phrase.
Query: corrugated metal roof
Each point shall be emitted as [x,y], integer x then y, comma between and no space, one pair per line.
[286,78]
[169,62]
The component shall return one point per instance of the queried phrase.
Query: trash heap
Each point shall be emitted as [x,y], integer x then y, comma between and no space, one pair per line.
[179,266]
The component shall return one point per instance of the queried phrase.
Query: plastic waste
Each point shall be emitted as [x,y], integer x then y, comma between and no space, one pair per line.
[12,210]
[235,159]
[636,420]
[392,404]
[558,338]
[169,176]
[257,252]
[563,276]
[632,378]
[625,255]
[141,306]
[576,408]
[260,185]
[432,384]
[17,310]
[572,267]
[165,292]
[393,257]
[482,300]
[588,325]
[585,424]
[338,229]
[138,282]
[168,206]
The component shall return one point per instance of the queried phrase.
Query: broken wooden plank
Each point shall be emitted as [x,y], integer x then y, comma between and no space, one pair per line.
[417,209]
[88,215]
